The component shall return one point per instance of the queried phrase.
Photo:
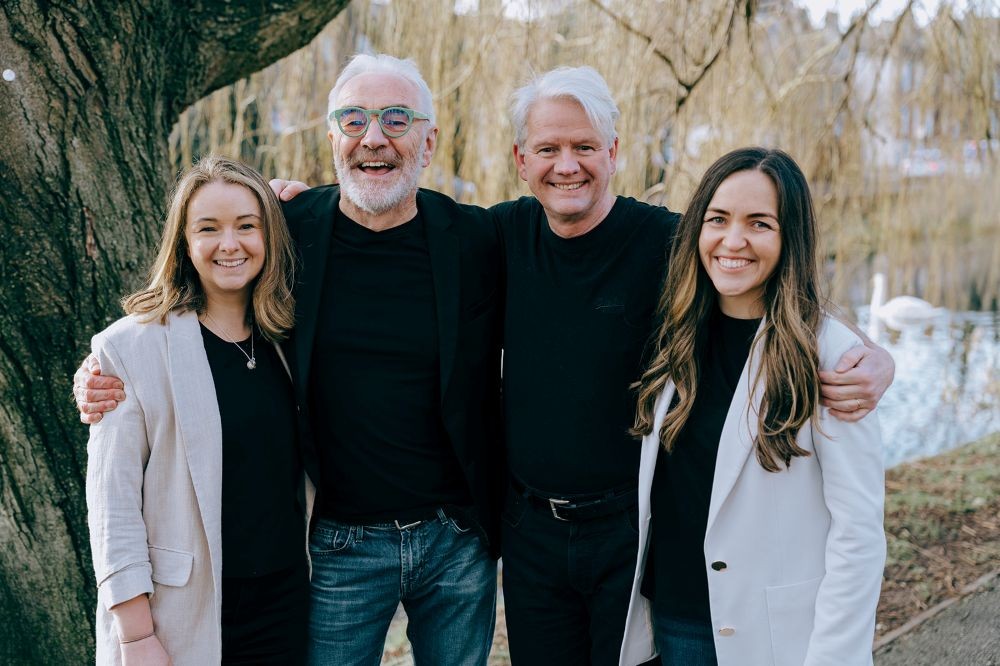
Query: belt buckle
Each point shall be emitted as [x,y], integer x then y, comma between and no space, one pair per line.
[554,504]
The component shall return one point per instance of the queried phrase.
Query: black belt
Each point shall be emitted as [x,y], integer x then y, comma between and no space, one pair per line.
[579,507]
[401,521]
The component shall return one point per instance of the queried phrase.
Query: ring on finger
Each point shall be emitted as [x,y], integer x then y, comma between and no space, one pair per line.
[859,404]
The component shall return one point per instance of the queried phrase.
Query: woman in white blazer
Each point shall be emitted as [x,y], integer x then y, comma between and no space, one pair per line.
[193,484]
[760,516]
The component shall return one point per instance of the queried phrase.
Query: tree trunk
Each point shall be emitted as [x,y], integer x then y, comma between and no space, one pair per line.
[97,85]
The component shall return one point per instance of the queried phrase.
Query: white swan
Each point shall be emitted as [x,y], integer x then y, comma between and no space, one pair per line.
[899,311]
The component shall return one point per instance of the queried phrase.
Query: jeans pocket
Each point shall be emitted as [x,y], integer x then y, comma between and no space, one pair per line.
[513,508]
[457,527]
[331,538]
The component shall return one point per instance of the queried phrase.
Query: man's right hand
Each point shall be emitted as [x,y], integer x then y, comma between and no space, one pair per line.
[286,190]
[95,393]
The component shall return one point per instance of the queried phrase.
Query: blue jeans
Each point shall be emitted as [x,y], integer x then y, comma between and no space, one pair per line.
[683,642]
[439,570]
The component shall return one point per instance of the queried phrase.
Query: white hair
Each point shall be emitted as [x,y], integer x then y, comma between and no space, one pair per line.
[382,63]
[582,85]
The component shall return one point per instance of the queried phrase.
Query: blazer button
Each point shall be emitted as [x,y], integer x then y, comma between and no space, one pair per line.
[719,565]
[727,631]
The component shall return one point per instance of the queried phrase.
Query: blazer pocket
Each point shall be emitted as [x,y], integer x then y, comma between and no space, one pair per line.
[170,567]
[790,613]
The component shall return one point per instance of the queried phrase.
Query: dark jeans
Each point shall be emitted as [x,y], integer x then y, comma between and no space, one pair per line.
[264,619]
[683,642]
[566,585]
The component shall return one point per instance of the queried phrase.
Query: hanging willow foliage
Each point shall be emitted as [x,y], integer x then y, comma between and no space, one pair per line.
[895,123]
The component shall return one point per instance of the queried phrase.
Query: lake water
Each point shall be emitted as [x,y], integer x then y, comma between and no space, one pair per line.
[947,387]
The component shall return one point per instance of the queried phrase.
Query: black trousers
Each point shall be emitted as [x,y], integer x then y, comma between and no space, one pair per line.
[265,619]
[566,585]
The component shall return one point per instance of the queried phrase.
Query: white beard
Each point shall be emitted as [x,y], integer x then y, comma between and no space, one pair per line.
[377,198]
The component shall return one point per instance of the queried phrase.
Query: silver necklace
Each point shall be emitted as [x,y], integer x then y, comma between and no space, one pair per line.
[251,357]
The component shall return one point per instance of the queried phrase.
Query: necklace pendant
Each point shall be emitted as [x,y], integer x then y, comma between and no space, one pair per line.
[251,364]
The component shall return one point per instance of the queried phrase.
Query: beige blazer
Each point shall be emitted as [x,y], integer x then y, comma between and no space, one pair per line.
[154,488]
[794,559]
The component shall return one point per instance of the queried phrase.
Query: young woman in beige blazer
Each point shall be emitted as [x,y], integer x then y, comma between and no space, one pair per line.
[177,472]
[760,516]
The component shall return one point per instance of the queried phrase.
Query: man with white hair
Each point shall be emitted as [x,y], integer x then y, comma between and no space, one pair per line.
[396,366]
[584,270]
[404,418]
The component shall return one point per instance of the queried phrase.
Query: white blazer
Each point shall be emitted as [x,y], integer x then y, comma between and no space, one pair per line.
[154,488]
[794,558]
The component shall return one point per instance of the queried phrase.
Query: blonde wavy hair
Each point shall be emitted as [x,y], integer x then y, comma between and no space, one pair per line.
[174,283]
[789,367]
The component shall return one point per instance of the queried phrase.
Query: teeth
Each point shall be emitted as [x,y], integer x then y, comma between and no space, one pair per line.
[230,263]
[567,186]
[733,263]
[375,165]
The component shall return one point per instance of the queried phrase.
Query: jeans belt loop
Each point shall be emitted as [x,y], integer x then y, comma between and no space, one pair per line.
[554,504]
[407,526]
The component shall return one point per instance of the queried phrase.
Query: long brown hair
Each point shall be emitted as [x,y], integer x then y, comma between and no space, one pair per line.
[174,283]
[790,359]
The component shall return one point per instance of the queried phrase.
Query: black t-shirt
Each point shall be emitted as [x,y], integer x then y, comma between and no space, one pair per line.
[675,577]
[383,449]
[263,527]
[579,312]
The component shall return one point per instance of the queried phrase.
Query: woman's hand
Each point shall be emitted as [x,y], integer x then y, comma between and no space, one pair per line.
[135,621]
[146,652]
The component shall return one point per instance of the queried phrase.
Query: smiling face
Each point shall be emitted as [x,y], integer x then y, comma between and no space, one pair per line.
[377,173]
[740,242]
[225,239]
[568,166]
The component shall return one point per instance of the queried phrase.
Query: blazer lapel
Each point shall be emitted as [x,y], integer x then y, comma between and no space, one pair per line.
[313,241]
[738,433]
[198,419]
[443,248]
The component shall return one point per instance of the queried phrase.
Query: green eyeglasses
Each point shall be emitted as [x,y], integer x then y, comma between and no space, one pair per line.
[395,121]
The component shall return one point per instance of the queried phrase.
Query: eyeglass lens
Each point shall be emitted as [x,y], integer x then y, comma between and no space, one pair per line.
[394,121]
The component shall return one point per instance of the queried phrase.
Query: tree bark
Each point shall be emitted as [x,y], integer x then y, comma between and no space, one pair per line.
[83,176]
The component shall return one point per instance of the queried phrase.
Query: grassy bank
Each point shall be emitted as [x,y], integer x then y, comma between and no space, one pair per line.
[942,526]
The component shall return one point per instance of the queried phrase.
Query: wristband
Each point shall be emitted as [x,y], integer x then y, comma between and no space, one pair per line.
[136,640]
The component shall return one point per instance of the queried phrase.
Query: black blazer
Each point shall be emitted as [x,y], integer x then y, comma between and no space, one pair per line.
[466,263]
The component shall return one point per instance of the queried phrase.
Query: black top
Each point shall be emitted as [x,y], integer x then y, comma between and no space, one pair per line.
[263,527]
[375,397]
[463,244]
[579,314]
[675,577]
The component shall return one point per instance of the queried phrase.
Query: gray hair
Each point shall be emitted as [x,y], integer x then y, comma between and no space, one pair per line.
[382,63]
[583,85]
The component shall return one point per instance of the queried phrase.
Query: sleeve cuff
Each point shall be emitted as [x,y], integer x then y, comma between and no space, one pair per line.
[126,584]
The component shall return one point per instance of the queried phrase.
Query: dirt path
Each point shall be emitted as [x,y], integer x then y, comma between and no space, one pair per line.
[965,633]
